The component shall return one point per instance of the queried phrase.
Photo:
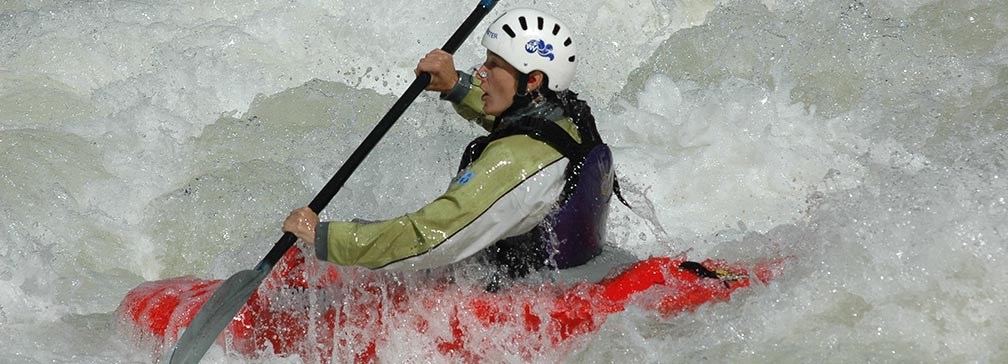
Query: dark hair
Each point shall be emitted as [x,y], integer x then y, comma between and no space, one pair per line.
[577,109]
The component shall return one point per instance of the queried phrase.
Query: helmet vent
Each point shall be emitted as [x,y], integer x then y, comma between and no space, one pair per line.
[571,59]
[521,20]
[567,43]
[540,23]
[507,29]
[556,29]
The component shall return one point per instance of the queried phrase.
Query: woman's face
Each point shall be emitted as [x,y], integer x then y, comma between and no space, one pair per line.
[499,84]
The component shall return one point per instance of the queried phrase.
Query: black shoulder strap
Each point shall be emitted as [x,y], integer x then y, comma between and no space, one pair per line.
[555,136]
[539,129]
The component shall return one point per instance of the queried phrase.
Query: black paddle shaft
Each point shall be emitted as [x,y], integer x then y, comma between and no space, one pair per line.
[336,182]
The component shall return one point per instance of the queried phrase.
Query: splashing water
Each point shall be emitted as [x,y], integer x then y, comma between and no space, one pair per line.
[866,139]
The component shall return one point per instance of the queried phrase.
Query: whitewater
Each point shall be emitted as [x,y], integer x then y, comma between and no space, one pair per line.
[863,139]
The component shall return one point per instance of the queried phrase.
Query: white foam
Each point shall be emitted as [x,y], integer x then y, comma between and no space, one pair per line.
[865,140]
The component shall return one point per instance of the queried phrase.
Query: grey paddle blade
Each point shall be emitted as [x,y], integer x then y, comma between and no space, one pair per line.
[215,315]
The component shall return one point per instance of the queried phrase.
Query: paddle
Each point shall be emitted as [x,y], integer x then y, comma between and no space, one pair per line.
[232,294]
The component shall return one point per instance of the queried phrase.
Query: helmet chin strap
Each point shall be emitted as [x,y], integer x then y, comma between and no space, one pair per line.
[522,96]
[523,79]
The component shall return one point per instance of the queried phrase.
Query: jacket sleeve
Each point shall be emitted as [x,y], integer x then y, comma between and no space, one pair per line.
[506,192]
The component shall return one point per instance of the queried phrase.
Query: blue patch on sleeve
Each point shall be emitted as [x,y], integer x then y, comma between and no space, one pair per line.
[463,177]
[468,176]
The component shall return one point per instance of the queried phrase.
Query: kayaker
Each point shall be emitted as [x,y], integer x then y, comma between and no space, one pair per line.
[533,193]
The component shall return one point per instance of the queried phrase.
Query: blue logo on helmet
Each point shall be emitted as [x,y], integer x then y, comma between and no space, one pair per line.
[541,47]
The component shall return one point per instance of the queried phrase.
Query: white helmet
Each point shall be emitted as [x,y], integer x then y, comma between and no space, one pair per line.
[531,40]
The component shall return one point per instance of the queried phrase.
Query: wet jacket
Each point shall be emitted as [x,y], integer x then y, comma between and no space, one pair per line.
[504,194]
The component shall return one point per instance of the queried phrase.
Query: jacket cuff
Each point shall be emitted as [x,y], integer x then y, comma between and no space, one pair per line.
[460,90]
[322,241]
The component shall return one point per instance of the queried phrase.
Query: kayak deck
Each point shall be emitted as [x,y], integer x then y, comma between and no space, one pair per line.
[312,311]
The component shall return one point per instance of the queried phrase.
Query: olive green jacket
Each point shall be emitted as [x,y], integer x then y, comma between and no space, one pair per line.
[507,191]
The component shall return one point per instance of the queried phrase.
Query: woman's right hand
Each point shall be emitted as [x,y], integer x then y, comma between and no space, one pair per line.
[441,67]
[302,223]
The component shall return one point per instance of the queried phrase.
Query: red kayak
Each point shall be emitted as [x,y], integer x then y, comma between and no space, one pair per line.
[311,311]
